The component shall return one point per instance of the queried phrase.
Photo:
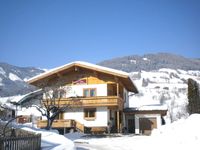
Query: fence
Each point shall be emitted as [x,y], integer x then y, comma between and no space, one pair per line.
[19,140]
[30,142]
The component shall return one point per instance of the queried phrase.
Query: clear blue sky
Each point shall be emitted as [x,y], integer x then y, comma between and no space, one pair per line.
[50,33]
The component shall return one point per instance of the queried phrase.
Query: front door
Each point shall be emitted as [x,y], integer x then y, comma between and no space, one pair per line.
[131,125]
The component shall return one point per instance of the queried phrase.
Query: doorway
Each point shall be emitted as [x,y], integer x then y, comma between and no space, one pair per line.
[131,125]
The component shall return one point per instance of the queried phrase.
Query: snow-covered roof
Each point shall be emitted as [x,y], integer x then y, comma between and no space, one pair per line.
[152,107]
[10,102]
[26,97]
[149,108]
[85,65]
[78,63]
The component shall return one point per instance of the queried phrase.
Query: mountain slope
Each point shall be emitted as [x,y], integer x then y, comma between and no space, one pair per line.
[150,62]
[12,79]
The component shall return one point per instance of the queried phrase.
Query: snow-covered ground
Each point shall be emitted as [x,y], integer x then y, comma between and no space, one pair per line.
[182,134]
[50,140]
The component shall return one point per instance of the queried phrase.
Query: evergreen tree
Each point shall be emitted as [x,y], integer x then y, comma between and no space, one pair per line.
[193,97]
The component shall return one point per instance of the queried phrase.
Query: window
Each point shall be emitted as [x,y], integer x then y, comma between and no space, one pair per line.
[92,92]
[59,93]
[89,113]
[60,116]
[89,92]
[86,92]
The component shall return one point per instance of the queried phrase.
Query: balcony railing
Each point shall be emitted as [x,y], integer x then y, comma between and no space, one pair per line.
[110,101]
[62,123]
[56,123]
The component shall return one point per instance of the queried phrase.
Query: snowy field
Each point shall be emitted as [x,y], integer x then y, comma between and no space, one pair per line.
[180,135]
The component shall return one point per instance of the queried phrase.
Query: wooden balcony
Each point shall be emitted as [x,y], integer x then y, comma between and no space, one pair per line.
[56,123]
[109,101]
[62,123]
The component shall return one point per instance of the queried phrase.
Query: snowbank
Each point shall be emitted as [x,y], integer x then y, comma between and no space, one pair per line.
[183,134]
[51,140]
[74,136]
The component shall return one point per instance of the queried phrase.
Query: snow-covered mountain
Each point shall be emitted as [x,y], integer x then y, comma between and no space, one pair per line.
[149,62]
[12,79]
[163,87]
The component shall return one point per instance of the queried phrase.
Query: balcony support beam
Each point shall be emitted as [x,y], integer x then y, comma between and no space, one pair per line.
[118,123]
[117,89]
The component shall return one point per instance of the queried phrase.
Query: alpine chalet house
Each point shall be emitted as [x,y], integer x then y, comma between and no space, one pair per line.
[102,94]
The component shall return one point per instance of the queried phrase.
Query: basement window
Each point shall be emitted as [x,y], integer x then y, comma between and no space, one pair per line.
[89,113]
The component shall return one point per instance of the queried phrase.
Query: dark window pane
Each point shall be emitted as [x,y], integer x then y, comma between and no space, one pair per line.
[86,92]
[89,113]
[92,113]
[92,92]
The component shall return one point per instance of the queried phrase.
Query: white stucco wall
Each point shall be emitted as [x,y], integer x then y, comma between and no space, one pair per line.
[126,98]
[78,115]
[77,90]
[138,116]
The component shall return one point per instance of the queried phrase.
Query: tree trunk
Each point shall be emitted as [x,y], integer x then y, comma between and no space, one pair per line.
[49,124]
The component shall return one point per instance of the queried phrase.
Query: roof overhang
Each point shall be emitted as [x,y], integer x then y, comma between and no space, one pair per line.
[123,76]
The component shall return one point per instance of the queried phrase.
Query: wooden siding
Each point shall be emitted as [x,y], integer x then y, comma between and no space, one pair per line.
[77,71]
[69,78]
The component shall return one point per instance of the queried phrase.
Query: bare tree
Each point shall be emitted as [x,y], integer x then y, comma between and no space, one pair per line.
[52,104]
[4,112]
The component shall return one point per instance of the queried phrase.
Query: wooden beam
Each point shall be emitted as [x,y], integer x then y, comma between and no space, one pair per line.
[76,68]
[95,73]
[59,75]
[117,89]
[118,123]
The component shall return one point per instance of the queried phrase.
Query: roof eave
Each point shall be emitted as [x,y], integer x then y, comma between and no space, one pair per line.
[78,64]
